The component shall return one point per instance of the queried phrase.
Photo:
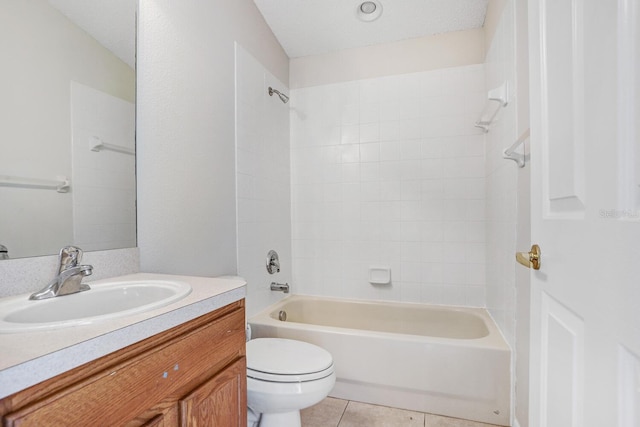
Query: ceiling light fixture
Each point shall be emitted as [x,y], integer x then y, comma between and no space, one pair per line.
[369,11]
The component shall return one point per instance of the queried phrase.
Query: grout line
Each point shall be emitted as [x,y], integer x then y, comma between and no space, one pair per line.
[343,412]
[467,422]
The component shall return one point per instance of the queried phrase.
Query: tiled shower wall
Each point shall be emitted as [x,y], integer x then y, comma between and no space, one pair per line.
[390,172]
[262,180]
[502,182]
[508,198]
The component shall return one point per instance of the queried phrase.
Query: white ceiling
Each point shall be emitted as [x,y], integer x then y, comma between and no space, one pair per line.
[111,22]
[312,27]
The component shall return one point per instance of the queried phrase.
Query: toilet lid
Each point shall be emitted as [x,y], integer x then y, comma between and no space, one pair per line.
[283,360]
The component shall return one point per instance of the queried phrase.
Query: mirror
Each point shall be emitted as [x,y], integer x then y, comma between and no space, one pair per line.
[67,125]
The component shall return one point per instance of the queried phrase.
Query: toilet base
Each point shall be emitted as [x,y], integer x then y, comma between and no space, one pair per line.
[281,419]
[253,418]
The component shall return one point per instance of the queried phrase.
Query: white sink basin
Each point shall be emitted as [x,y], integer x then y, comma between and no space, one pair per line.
[103,301]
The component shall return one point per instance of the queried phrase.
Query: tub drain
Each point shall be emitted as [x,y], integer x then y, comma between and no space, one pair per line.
[282,315]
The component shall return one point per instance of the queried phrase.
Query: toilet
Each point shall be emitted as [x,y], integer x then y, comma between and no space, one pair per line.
[283,377]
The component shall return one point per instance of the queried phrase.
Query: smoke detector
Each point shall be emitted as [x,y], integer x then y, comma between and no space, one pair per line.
[369,11]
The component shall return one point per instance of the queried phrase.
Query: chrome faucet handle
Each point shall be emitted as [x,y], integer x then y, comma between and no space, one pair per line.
[69,277]
[70,256]
[273,262]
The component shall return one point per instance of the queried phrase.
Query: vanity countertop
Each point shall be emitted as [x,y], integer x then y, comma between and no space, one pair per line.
[29,358]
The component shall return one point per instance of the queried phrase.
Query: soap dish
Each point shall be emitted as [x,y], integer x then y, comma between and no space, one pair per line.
[379,275]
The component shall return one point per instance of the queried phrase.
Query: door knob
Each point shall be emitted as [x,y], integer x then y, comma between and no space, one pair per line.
[531,258]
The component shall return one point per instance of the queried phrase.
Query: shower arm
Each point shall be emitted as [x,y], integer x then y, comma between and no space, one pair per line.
[284,98]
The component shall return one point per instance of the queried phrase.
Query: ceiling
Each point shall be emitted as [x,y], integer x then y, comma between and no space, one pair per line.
[312,27]
[112,23]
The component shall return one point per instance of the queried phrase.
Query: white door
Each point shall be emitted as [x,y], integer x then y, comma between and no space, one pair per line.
[585,150]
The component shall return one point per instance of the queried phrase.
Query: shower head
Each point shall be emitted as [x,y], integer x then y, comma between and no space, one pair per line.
[284,98]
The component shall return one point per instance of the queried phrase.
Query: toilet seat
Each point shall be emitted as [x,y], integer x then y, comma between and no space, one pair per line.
[289,378]
[287,361]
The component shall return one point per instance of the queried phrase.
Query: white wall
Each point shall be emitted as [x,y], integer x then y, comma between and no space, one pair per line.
[43,52]
[507,214]
[263,180]
[390,171]
[186,149]
[447,50]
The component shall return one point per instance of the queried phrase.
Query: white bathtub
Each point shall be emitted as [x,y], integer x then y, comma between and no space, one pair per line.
[443,360]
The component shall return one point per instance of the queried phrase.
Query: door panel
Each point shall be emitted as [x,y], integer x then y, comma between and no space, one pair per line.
[629,106]
[629,380]
[562,370]
[562,91]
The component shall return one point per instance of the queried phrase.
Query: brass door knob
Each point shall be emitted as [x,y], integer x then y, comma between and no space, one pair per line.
[530,259]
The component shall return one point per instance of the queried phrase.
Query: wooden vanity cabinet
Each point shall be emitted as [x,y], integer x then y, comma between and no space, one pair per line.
[217,401]
[191,375]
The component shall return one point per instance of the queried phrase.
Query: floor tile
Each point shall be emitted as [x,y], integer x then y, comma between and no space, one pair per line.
[439,421]
[362,414]
[325,414]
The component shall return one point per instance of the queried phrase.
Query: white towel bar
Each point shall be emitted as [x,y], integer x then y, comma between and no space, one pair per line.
[497,98]
[96,144]
[61,185]
[510,154]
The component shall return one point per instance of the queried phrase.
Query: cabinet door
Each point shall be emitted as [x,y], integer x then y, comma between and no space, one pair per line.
[161,420]
[167,418]
[219,402]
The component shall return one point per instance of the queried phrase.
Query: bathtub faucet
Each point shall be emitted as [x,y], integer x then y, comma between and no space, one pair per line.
[284,287]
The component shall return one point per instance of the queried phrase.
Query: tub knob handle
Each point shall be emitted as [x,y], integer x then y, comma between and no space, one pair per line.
[530,259]
[273,262]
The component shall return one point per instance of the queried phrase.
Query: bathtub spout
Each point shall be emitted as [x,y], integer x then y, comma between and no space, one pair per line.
[284,287]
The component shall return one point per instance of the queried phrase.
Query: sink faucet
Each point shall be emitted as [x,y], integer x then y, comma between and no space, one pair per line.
[284,287]
[70,274]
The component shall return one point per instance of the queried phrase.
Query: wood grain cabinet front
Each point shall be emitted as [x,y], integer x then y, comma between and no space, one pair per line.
[191,375]
[221,401]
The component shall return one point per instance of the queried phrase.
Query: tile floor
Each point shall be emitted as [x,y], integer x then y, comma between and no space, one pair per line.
[333,412]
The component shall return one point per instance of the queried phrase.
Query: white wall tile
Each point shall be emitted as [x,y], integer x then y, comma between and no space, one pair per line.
[350,153]
[370,152]
[350,134]
[391,190]
[350,115]
[410,128]
[350,172]
[370,113]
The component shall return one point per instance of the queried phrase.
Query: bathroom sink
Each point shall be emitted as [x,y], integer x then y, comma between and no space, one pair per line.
[102,302]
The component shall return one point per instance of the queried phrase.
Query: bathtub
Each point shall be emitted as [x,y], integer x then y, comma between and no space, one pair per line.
[442,360]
